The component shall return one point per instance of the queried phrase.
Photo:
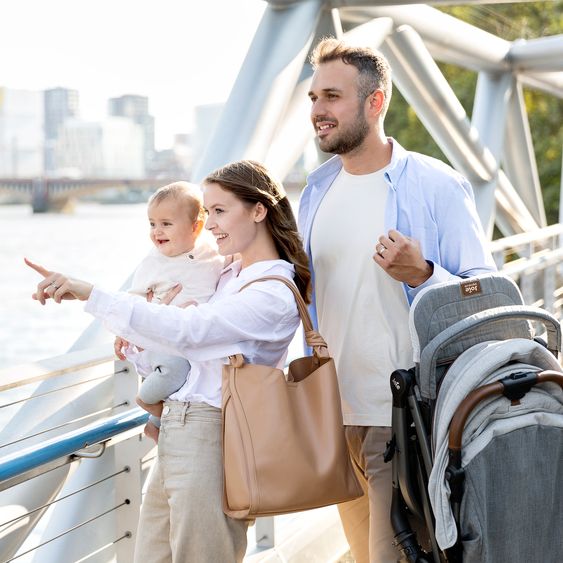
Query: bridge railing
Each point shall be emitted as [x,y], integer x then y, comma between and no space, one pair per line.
[72,458]
[52,194]
[535,261]
[47,511]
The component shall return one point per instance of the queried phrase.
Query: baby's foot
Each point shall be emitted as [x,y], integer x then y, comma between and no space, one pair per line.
[153,408]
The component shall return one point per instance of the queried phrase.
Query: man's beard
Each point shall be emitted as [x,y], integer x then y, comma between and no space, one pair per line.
[348,139]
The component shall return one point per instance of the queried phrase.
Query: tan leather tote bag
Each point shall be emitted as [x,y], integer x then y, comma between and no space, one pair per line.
[283,438]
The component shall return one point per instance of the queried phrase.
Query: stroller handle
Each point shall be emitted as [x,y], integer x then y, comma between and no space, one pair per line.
[477,395]
[430,353]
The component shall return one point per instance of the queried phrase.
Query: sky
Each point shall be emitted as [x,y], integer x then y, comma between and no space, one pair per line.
[179,53]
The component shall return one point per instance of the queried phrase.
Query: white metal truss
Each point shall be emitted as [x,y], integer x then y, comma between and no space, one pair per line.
[266,115]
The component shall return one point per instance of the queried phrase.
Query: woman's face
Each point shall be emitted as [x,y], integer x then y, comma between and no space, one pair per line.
[232,222]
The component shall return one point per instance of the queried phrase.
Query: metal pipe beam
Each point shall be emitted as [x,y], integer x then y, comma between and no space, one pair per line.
[561,201]
[549,82]
[452,41]
[518,159]
[341,3]
[512,215]
[264,86]
[545,53]
[489,119]
[425,88]
[293,133]
[465,44]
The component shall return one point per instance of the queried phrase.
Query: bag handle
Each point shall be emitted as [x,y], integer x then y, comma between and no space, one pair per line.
[312,337]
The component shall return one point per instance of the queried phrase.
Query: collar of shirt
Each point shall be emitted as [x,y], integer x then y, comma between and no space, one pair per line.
[331,167]
[235,271]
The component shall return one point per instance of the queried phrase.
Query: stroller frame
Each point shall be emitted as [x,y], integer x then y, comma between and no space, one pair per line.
[410,449]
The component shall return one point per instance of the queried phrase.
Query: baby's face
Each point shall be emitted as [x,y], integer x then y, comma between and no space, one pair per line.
[171,229]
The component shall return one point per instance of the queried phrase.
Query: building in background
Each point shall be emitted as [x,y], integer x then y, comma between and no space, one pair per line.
[113,148]
[42,135]
[175,162]
[136,108]
[21,133]
[60,104]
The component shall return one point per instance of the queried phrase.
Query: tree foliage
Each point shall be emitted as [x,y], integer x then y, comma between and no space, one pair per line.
[545,112]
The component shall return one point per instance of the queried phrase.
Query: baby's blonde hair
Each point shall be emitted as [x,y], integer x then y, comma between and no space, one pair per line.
[184,192]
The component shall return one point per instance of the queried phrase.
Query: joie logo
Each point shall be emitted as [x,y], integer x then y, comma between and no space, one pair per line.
[395,383]
[470,288]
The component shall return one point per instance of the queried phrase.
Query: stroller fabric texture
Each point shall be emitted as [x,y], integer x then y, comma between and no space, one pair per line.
[465,335]
[482,364]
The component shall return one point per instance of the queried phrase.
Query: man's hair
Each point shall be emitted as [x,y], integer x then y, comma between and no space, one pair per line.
[374,71]
[185,193]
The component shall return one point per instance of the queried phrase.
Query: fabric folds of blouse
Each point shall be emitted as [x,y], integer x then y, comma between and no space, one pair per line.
[258,322]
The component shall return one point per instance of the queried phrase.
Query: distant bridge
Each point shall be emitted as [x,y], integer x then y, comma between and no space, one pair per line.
[52,194]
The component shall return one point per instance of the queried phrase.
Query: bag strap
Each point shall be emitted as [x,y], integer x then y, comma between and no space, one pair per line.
[312,337]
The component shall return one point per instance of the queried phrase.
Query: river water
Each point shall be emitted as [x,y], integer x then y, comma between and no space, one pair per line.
[100,243]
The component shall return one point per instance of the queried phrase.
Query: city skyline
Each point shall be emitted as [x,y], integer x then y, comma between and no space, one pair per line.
[178,54]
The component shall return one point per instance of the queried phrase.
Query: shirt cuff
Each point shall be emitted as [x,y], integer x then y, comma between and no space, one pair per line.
[439,275]
[99,303]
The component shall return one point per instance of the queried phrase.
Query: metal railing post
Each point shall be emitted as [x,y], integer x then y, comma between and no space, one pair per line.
[549,288]
[265,532]
[128,486]
[127,454]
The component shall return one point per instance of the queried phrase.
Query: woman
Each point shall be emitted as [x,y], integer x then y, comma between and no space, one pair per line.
[249,215]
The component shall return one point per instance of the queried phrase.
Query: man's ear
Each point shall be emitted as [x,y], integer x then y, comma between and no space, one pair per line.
[376,102]
[197,227]
[260,212]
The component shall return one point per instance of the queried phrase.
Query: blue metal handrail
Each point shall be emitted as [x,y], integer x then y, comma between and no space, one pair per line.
[67,444]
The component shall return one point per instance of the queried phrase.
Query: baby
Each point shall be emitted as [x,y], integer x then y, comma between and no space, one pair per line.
[180,255]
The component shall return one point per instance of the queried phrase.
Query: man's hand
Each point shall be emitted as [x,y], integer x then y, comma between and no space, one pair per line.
[402,259]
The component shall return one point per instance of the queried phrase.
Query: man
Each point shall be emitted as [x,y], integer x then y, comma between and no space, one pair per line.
[379,224]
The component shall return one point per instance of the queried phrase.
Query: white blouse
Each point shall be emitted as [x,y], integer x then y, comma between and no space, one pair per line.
[258,322]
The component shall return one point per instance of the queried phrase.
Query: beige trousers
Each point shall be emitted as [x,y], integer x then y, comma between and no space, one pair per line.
[182,520]
[366,520]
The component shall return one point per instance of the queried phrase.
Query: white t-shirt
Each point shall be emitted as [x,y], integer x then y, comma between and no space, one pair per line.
[362,311]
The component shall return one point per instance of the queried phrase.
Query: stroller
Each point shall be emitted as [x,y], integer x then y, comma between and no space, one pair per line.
[477,429]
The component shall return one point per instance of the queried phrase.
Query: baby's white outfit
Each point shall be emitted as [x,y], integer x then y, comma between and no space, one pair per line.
[198,271]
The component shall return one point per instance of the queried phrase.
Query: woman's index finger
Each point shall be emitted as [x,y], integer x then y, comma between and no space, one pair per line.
[39,269]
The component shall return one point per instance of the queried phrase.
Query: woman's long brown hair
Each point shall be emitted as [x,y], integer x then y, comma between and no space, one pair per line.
[252,183]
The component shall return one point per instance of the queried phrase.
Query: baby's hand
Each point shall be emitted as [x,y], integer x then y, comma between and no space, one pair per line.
[152,431]
[119,345]
[167,299]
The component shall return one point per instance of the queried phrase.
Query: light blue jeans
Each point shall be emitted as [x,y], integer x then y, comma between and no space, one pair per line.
[182,520]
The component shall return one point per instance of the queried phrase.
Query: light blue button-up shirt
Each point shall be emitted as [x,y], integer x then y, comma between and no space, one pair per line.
[426,200]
